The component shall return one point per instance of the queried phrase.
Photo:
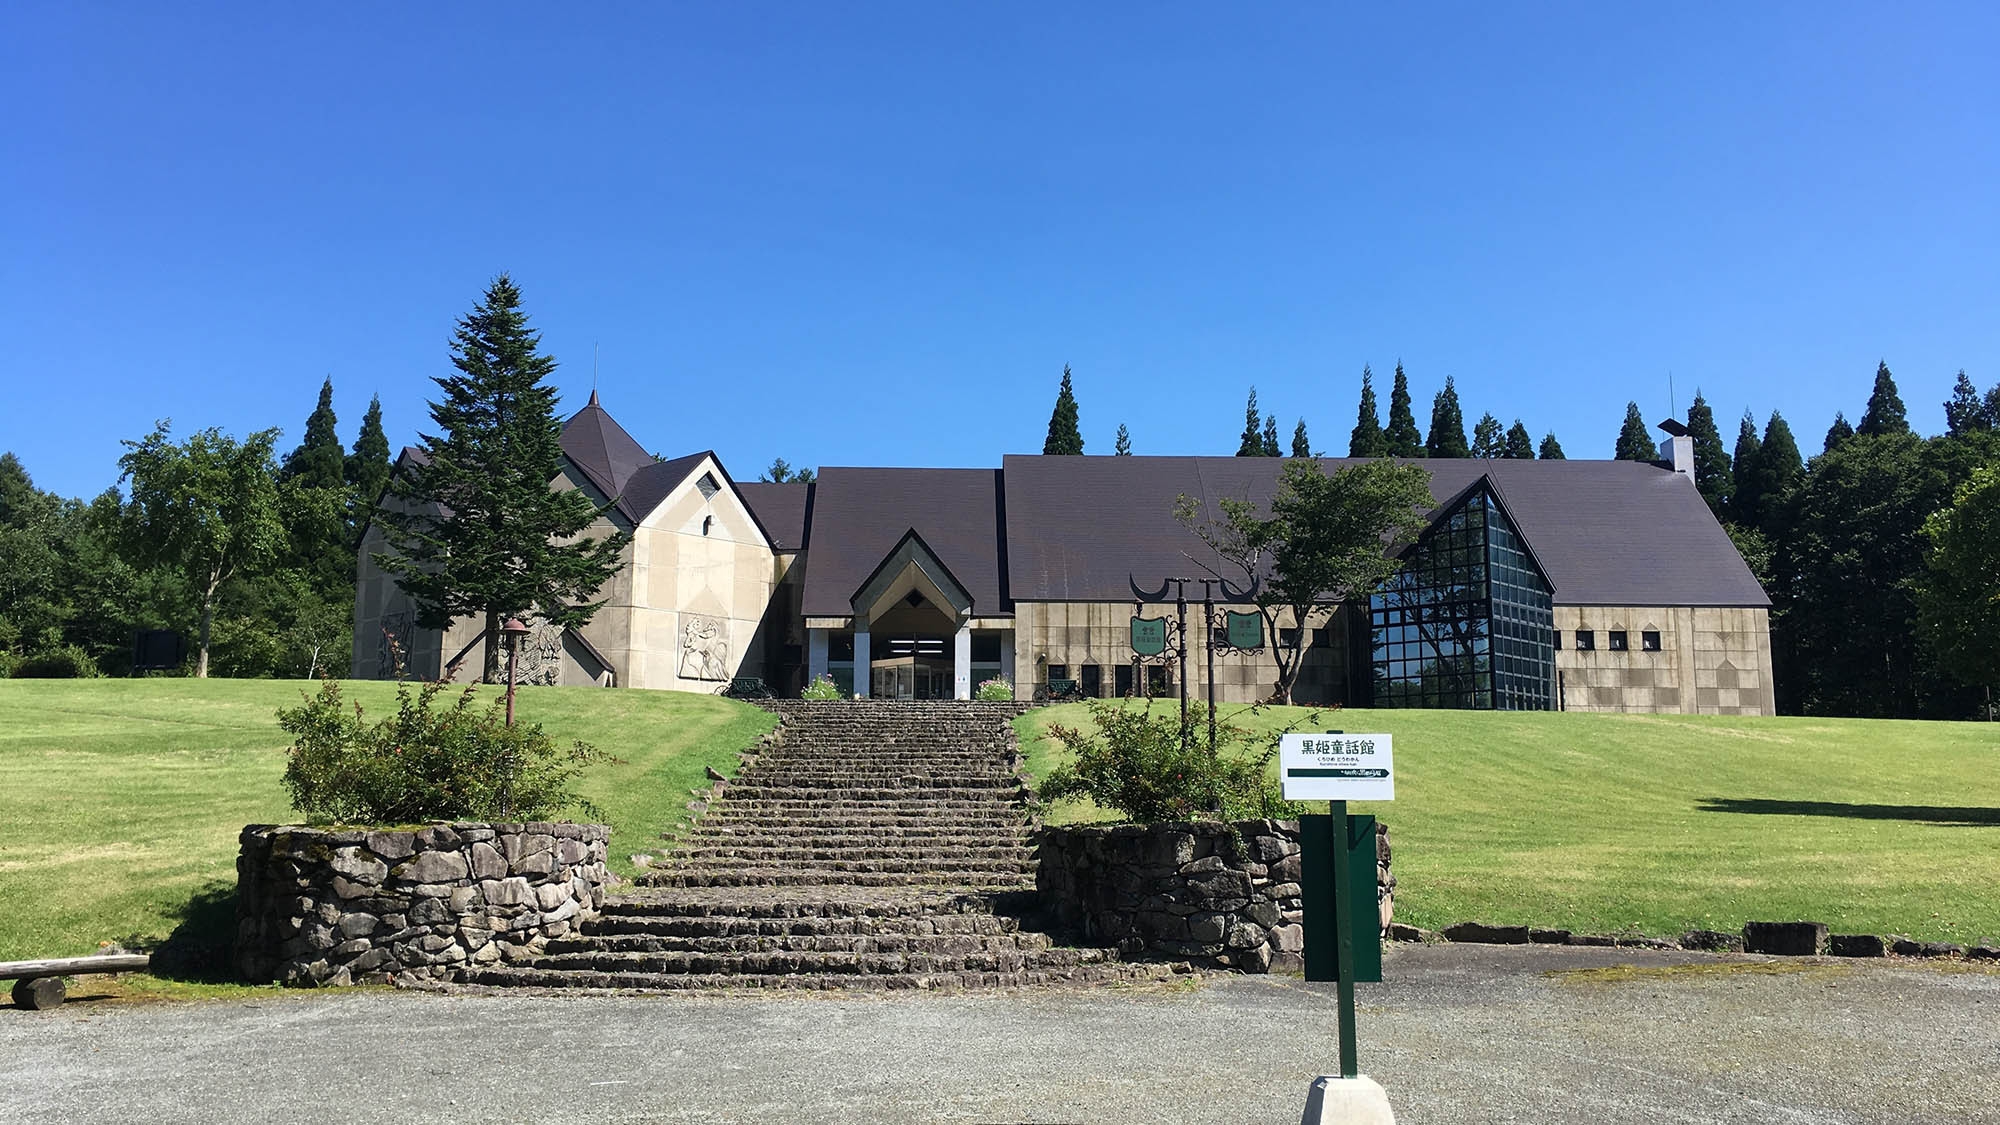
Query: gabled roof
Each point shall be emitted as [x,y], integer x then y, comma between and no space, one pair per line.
[783,509]
[911,550]
[606,455]
[860,516]
[1605,532]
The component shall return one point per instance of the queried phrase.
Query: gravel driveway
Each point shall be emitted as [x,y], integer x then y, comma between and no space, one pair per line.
[1457,1034]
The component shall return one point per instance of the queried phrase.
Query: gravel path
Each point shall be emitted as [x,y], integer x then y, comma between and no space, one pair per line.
[1459,1034]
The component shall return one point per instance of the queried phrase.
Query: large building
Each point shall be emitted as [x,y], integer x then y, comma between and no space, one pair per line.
[1574,585]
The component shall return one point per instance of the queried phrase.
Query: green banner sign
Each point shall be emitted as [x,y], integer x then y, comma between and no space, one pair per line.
[1149,635]
[1246,630]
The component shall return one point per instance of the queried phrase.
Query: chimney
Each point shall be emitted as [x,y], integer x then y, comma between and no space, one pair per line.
[1678,449]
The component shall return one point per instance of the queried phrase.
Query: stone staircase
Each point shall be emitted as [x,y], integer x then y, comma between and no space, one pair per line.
[872,845]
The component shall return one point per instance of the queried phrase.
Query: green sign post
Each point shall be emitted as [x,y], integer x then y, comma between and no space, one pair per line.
[1149,635]
[1245,630]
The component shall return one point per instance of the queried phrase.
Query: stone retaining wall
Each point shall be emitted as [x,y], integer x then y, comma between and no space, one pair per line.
[1189,890]
[318,906]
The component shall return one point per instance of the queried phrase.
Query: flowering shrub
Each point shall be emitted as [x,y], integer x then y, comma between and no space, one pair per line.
[995,690]
[821,688]
[426,762]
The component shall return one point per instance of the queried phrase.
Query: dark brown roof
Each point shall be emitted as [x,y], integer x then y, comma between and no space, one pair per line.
[860,515]
[782,509]
[1607,532]
[601,449]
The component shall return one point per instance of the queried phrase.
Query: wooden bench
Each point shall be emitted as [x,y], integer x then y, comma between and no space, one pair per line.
[39,984]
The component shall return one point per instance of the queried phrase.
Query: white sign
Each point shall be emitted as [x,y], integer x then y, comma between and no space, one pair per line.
[1337,767]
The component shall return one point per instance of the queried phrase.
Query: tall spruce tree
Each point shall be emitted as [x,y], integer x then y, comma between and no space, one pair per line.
[1993,407]
[1745,499]
[1712,477]
[1252,444]
[1367,439]
[1838,433]
[1885,413]
[1267,444]
[1551,449]
[1488,439]
[1401,434]
[1964,412]
[1447,436]
[1635,439]
[1779,471]
[476,529]
[1065,435]
[367,468]
[1300,446]
[1520,446]
[318,462]
[1123,446]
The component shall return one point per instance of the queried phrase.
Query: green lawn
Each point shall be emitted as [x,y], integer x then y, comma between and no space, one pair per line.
[1662,823]
[121,800]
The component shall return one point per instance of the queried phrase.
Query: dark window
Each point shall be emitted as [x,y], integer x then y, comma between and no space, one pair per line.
[840,646]
[1093,681]
[708,487]
[1288,637]
[1121,680]
[1323,637]
[1649,640]
[1556,639]
[914,599]
[706,523]
[1468,621]
[1617,640]
[986,648]
[1058,672]
[1157,682]
[1586,640]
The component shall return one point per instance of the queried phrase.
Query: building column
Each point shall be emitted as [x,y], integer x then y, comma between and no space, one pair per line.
[1007,659]
[961,663]
[861,663]
[815,654]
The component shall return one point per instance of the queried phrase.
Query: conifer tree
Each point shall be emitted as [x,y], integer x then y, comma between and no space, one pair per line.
[1745,503]
[1488,439]
[1837,433]
[1520,446]
[1635,440]
[1267,444]
[1252,444]
[1993,407]
[1779,470]
[1065,436]
[318,462]
[1551,449]
[1447,436]
[477,530]
[1964,413]
[1401,434]
[1367,439]
[1885,413]
[1300,446]
[1123,447]
[1712,477]
[367,468]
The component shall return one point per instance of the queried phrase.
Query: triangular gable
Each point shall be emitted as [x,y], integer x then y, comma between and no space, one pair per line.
[911,550]
[1483,483]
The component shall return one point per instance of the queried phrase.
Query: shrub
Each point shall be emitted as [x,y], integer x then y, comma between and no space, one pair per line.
[821,688]
[1154,769]
[425,762]
[995,690]
[65,662]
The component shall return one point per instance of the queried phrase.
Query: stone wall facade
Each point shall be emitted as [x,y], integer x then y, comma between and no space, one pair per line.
[1073,635]
[319,906]
[1711,661]
[1189,890]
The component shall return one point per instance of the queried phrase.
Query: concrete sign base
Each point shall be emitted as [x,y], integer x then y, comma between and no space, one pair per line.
[1347,1101]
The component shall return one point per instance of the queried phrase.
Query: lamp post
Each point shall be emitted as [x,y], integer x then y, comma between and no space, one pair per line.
[513,630]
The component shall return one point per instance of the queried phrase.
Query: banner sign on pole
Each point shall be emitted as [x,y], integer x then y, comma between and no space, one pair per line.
[1337,767]
[1149,635]
[1246,630]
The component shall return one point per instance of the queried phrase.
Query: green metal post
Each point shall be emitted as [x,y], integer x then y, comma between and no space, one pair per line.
[1343,911]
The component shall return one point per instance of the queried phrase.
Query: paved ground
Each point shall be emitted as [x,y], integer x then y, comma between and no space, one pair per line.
[1471,1034]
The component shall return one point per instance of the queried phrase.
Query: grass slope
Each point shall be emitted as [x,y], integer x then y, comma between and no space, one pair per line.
[121,800]
[1662,823]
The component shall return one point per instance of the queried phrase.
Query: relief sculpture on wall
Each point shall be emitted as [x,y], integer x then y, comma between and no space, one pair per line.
[704,647]
[539,659]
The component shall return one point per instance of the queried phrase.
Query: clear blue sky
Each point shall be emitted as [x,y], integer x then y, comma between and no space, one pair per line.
[862,234]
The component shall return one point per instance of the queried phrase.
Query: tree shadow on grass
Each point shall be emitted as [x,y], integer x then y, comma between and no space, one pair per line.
[198,949]
[1921,814]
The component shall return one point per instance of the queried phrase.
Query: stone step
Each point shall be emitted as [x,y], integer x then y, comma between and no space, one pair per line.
[780,852]
[804,800]
[1102,973]
[789,877]
[989,961]
[984,794]
[909,944]
[890,834]
[836,870]
[715,926]
[807,901]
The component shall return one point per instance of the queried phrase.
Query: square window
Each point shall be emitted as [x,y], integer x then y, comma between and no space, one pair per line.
[1586,640]
[1058,672]
[1649,640]
[708,486]
[1323,637]
[1288,637]
[1617,640]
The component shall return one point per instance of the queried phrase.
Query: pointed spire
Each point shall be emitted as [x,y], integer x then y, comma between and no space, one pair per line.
[593,398]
